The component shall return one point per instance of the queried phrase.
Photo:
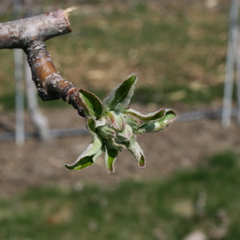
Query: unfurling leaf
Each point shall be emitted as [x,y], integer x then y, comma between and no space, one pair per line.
[110,158]
[152,122]
[88,157]
[121,96]
[91,104]
[137,152]
[158,125]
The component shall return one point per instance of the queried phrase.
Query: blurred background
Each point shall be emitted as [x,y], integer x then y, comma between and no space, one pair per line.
[190,188]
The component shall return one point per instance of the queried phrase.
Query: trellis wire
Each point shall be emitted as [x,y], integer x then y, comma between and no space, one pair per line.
[70,132]
[54,133]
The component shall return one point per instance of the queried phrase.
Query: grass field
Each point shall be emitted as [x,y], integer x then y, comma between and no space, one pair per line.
[205,199]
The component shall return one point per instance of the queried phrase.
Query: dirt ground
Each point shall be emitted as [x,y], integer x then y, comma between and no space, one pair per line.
[182,145]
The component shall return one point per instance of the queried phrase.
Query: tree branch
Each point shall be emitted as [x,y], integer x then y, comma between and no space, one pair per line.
[29,34]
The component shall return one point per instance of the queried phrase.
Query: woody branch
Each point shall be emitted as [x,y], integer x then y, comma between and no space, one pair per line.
[29,34]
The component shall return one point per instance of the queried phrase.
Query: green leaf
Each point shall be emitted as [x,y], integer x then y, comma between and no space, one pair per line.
[91,104]
[155,126]
[152,122]
[112,144]
[88,157]
[91,125]
[137,152]
[120,97]
[150,116]
[110,158]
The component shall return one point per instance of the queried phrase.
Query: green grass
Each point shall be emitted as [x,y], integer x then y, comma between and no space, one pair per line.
[172,47]
[158,209]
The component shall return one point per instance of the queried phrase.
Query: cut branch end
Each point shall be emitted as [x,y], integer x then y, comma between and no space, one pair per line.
[68,10]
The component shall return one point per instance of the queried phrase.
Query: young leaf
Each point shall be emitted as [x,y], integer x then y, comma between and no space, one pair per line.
[88,157]
[150,116]
[137,152]
[110,158]
[92,105]
[91,125]
[120,97]
[155,126]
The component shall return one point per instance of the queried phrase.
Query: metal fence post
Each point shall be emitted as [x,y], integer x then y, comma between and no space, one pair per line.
[230,63]
[19,97]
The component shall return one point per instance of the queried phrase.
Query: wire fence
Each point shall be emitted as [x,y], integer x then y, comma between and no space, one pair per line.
[8,133]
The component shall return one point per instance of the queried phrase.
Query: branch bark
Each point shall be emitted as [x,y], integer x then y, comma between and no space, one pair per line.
[29,34]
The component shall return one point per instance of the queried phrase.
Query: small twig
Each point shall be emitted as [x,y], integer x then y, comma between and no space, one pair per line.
[29,34]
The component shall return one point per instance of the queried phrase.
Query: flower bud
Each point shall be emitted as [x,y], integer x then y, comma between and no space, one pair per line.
[116,132]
